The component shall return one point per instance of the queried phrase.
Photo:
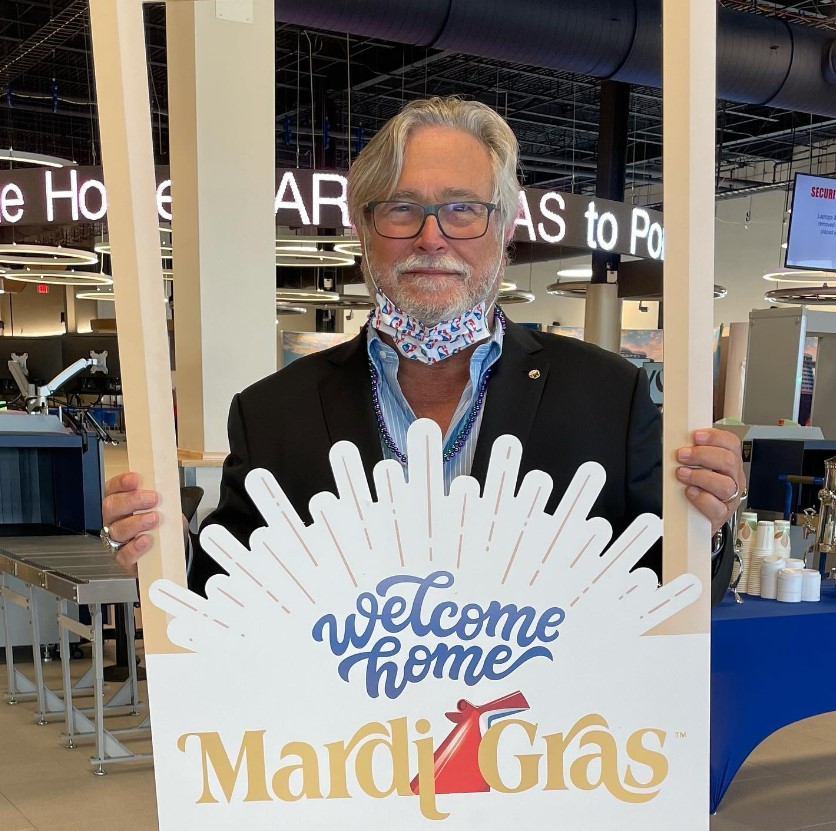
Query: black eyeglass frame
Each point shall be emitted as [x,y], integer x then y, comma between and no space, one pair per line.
[431,210]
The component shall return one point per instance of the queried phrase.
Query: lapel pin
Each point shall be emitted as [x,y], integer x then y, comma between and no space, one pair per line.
[534,374]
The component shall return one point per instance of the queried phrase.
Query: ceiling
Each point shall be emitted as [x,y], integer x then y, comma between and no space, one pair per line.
[47,100]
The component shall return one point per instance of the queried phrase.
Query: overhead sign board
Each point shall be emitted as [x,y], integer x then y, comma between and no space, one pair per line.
[318,198]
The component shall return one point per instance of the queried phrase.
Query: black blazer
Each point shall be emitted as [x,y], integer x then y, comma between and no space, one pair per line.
[585,404]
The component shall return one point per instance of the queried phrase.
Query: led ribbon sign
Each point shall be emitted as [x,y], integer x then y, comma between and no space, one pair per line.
[318,198]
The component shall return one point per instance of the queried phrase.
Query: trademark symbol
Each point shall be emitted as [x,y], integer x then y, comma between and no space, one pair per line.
[681,734]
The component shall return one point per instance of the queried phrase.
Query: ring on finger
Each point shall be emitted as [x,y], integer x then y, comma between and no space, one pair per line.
[108,542]
[734,496]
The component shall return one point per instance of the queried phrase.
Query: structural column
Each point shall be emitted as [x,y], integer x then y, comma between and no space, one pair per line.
[221,65]
[602,318]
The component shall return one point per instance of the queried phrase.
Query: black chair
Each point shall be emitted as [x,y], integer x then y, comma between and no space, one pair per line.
[190,497]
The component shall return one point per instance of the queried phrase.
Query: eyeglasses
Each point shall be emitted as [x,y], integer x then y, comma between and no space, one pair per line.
[456,220]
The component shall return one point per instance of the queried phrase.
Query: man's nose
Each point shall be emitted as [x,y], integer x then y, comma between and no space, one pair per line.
[431,238]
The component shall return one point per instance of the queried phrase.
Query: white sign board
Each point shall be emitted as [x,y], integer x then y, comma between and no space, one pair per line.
[421,656]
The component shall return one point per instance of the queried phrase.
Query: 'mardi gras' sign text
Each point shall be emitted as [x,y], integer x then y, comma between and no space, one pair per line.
[423,657]
[309,198]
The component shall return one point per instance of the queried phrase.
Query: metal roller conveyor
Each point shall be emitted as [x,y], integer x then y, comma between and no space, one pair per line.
[21,546]
[75,568]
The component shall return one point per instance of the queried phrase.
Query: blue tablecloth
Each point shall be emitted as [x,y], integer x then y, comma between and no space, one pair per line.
[771,665]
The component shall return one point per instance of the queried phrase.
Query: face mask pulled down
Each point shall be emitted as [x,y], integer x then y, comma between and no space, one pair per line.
[429,343]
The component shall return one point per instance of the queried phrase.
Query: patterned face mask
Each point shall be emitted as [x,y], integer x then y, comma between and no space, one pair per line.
[428,344]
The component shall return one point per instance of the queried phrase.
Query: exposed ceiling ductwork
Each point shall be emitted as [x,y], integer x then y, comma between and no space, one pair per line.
[760,60]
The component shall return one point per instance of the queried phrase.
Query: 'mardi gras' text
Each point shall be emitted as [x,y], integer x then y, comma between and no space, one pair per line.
[585,757]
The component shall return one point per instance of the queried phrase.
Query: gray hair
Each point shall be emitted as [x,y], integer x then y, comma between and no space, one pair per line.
[377,169]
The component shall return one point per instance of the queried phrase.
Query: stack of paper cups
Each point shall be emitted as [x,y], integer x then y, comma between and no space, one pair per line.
[746,527]
[782,537]
[762,546]
[794,562]
[810,585]
[789,585]
[770,566]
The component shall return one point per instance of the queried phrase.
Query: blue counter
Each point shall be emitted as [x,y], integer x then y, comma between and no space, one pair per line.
[772,664]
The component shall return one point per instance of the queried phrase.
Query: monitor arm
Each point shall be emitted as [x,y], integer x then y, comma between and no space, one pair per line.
[38,402]
[17,366]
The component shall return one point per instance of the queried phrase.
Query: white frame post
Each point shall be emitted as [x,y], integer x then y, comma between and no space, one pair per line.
[118,35]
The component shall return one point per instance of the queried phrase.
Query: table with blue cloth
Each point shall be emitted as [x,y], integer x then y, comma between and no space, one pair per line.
[763,651]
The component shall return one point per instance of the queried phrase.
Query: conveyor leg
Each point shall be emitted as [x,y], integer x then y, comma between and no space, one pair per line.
[98,684]
[64,634]
[48,701]
[130,634]
[35,628]
[10,661]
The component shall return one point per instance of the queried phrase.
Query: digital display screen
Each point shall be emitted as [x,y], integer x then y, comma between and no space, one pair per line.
[812,235]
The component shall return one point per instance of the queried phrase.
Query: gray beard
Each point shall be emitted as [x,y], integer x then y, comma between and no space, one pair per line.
[428,312]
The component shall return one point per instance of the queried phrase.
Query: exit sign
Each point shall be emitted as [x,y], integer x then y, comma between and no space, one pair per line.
[43,288]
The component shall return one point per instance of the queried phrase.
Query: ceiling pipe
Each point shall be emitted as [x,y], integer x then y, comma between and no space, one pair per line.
[760,60]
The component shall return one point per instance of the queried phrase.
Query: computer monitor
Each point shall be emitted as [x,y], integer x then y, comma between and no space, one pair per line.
[811,239]
[90,381]
[43,363]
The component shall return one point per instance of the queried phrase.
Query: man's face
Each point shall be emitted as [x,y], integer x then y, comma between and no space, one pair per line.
[431,277]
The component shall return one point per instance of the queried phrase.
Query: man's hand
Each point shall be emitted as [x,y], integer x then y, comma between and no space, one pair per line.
[713,472]
[126,515]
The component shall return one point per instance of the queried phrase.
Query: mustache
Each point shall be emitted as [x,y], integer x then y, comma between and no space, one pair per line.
[443,262]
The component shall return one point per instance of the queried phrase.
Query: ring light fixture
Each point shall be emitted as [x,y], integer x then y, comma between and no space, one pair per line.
[515,296]
[349,301]
[166,248]
[804,276]
[302,296]
[581,272]
[354,248]
[577,290]
[305,252]
[297,247]
[60,278]
[289,309]
[106,296]
[823,295]
[23,157]
[567,289]
[507,285]
[29,254]
[313,259]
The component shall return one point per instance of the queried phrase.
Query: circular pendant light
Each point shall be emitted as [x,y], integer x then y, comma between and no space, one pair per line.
[60,278]
[577,289]
[44,255]
[305,296]
[289,309]
[823,295]
[23,157]
[515,296]
[799,276]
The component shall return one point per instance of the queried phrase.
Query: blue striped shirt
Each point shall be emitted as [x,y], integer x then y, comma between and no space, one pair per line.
[398,415]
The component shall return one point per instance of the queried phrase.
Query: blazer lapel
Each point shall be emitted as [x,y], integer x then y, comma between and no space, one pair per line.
[346,397]
[514,394]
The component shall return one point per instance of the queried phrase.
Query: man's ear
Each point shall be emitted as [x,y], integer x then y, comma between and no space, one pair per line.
[509,232]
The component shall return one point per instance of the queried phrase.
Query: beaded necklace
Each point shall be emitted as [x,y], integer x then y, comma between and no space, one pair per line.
[466,428]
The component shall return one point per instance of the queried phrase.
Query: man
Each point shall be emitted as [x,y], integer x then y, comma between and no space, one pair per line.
[434,198]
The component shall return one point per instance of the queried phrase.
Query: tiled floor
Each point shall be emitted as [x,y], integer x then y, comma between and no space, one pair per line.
[44,786]
[789,782]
